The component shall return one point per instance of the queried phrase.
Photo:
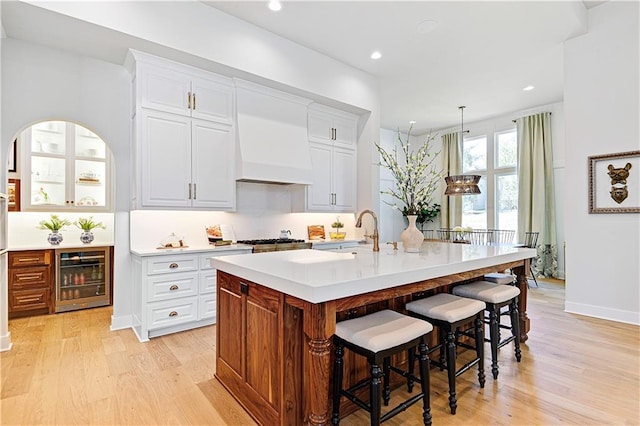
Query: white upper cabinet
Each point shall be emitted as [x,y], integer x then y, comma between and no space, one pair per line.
[170,90]
[184,136]
[330,125]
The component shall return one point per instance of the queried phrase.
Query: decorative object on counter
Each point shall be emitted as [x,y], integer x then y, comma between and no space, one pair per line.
[416,179]
[316,232]
[214,233]
[285,234]
[54,224]
[87,225]
[412,238]
[172,241]
[13,195]
[337,225]
[460,233]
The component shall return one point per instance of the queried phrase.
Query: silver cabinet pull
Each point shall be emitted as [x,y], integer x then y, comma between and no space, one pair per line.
[194,101]
[173,266]
[173,287]
[194,191]
[173,314]
[188,100]
[189,191]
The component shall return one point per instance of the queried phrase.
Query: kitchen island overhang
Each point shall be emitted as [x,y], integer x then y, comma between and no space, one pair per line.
[277,313]
[320,276]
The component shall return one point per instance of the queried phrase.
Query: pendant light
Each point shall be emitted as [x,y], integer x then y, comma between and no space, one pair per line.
[462,184]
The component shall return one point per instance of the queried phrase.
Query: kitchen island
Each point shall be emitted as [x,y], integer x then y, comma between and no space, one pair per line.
[277,313]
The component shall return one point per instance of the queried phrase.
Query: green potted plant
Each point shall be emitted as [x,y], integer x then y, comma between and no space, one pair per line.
[55,225]
[337,225]
[87,225]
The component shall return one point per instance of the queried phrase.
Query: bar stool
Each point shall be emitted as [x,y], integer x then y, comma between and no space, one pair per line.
[495,297]
[449,312]
[377,337]
[500,278]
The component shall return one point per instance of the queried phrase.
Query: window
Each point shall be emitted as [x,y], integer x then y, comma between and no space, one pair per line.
[494,157]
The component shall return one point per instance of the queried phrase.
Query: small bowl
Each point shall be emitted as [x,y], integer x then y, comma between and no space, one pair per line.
[337,235]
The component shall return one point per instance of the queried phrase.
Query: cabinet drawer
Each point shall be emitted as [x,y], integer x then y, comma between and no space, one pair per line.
[25,278]
[29,258]
[26,300]
[207,281]
[207,307]
[171,264]
[172,312]
[172,286]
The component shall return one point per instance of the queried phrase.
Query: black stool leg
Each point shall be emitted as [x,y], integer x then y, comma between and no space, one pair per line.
[443,348]
[374,394]
[425,384]
[451,369]
[480,348]
[337,383]
[386,389]
[494,337]
[411,356]
[515,327]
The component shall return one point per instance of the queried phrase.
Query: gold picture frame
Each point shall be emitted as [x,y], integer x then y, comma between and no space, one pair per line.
[614,183]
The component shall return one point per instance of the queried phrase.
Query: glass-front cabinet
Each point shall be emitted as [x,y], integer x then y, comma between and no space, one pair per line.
[82,278]
[68,168]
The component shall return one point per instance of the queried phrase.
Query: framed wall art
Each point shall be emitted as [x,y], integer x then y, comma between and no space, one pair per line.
[614,183]
[13,194]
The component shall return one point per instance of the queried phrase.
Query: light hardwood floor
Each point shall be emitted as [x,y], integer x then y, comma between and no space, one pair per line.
[70,369]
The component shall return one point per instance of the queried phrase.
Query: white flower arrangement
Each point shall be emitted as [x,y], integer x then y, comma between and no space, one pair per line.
[416,179]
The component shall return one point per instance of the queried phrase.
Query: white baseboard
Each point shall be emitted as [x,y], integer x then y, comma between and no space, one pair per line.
[5,342]
[618,315]
[121,322]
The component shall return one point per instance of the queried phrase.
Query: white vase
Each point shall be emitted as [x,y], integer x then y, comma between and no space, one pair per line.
[411,237]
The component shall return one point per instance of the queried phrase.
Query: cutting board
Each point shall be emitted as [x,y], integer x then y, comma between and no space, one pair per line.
[316,232]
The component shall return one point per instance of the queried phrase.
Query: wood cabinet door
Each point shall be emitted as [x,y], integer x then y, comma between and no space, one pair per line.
[165,159]
[213,167]
[344,179]
[211,101]
[230,324]
[319,196]
[263,340]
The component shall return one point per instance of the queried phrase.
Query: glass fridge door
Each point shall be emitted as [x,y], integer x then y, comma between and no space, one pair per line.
[82,278]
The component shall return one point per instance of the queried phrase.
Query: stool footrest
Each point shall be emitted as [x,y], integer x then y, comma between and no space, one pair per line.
[401,407]
[467,366]
[405,374]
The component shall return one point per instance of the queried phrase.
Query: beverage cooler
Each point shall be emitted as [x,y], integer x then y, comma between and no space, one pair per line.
[82,278]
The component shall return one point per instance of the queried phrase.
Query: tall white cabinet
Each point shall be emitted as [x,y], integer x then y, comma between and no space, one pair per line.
[184,135]
[332,138]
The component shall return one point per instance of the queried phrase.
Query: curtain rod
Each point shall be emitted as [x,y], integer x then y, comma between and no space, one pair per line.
[513,121]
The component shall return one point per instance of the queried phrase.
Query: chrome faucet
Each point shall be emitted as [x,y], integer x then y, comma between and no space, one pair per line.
[375,235]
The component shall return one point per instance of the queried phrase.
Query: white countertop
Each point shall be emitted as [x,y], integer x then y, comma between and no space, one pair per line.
[318,276]
[191,249]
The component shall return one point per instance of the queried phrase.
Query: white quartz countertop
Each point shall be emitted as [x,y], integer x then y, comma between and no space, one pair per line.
[318,276]
[192,249]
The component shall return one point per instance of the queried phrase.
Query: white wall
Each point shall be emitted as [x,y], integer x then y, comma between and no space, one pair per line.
[601,113]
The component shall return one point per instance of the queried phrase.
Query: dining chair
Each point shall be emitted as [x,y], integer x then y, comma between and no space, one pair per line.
[502,236]
[445,234]
[531,241]
[479,237]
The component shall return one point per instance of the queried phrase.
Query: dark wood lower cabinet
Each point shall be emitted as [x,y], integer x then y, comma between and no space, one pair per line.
[30,282]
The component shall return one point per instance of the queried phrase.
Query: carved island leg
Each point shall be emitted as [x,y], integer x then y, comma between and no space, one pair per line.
[319,327]
[521,282]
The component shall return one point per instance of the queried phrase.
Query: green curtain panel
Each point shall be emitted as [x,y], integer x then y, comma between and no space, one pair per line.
[536,205]
[451,209]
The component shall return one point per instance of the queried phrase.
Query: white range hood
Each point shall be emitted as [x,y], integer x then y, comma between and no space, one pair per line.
[273,145]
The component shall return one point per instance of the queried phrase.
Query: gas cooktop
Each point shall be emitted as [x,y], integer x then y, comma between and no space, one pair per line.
[270,241]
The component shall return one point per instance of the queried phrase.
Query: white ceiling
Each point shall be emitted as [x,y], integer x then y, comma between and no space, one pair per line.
[480,54]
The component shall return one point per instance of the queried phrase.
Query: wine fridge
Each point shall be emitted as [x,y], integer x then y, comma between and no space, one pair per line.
[82,278]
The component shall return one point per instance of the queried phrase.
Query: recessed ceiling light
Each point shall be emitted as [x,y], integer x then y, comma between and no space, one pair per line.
[426,26]
[526,89]
[275,5]
[376,55]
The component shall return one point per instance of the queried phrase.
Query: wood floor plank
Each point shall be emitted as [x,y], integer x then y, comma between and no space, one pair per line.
[70,368]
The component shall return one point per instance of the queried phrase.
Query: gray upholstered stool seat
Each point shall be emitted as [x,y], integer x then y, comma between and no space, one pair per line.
[382,330]
[495,296]
[449,312]
[499,278]
[377,337]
